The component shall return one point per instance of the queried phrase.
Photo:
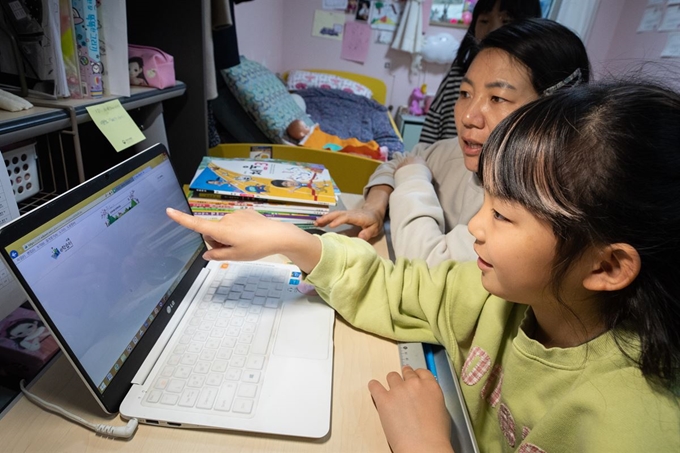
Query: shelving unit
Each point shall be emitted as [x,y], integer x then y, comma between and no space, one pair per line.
[63,117]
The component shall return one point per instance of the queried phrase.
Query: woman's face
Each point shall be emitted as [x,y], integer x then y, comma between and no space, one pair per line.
[489,21]
[493,87]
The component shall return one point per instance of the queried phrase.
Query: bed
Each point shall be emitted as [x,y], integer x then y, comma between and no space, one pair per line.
[256,106]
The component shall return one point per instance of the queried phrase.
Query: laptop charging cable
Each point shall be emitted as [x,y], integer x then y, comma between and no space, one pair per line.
[125,432]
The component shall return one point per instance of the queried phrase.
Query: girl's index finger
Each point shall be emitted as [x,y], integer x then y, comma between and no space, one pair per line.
[190,222]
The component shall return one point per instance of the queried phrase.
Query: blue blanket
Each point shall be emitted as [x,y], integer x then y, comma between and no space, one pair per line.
[349,115]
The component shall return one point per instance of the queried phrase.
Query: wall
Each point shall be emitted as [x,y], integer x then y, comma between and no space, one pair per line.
[627,50]
[257,22]
[279,35]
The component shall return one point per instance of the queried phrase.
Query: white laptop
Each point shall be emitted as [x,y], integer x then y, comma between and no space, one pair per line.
[156,332]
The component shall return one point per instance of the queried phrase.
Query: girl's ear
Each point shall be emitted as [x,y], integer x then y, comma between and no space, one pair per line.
[615,266]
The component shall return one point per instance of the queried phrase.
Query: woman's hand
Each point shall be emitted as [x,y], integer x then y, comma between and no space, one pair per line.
[412,412]
[370,217]
[370,221]
[246,235]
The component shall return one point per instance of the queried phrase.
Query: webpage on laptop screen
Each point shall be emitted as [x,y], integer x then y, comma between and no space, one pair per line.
[101,269]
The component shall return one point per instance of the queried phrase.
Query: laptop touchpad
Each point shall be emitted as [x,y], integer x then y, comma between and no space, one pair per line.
[303,330]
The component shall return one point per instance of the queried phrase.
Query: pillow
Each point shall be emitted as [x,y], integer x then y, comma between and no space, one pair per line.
[264,97]
[300,80]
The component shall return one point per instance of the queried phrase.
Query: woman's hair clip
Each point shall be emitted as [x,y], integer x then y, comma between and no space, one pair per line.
[574,77]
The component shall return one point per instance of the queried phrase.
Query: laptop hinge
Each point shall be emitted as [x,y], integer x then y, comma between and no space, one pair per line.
[164,338]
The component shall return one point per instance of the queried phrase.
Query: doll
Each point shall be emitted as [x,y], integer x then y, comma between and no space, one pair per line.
[417,96]
[314,137]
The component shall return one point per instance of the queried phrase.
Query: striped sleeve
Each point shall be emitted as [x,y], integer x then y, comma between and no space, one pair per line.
[439,122]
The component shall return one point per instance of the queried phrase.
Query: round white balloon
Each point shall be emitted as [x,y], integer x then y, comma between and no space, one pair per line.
[440,48]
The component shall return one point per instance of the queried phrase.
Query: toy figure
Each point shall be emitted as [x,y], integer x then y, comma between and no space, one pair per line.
[136,69]
[417,97]
[314,137]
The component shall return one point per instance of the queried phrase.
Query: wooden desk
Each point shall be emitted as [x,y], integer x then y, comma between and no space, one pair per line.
[355,426]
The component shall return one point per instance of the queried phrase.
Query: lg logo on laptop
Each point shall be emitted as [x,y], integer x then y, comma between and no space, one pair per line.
[170,306]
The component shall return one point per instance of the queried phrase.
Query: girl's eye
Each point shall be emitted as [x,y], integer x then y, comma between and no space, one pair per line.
[498,216]
[497,99]
[464,94]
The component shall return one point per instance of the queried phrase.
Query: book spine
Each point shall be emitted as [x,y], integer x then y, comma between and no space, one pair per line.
[248,196]
[69,49]
[258,207]
[87,40]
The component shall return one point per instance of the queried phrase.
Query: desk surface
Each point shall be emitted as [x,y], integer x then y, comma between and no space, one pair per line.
[355,426]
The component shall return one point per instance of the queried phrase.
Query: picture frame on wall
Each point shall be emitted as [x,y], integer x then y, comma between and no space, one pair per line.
[451,13]
[363,10]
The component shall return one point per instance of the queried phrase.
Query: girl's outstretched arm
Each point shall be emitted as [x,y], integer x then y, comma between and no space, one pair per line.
[246,235]
[412,412]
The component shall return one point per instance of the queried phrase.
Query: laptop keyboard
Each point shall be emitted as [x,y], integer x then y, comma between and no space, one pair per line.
[221,356]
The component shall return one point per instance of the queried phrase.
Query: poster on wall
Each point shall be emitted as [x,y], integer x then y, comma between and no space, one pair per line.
[672,48]
[384,15]
[328,24]
[356,41]
[671,19]
[335,4]
[651,19]
[363,10]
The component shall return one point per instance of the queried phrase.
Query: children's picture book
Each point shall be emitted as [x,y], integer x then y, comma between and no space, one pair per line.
[87,41]
[265,179]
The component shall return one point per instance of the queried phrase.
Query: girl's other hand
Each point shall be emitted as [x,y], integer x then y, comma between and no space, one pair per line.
[412,412]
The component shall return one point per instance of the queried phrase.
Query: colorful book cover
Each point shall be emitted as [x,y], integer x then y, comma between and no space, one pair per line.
[265,180]
[69,49]
[87,40]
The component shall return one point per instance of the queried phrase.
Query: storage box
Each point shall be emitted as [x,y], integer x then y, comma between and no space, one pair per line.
[26,344]
[22,168]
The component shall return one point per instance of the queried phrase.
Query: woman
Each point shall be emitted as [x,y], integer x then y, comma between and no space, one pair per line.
[487,16]
[430,205]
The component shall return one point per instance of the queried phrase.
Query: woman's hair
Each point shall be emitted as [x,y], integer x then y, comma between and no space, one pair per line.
[554,55]
[601,164]
[516,9]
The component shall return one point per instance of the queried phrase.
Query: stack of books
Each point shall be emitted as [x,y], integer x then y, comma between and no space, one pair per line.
[293,192]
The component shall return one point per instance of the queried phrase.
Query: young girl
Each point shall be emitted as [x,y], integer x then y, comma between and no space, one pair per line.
[430,205]
[570,342]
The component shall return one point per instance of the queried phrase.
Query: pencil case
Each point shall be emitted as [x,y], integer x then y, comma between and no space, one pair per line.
[150,66]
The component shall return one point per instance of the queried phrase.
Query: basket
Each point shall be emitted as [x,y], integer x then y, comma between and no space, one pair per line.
[22,169]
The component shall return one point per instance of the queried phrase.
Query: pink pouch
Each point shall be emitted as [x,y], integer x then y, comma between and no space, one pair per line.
[150,67]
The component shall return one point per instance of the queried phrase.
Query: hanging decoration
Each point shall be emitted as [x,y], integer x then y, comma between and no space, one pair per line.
[409,35]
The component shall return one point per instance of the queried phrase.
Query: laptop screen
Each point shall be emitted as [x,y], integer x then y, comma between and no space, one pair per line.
[104,265]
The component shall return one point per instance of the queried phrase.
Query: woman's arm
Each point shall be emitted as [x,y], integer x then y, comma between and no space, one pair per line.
[377,194]
[417,221]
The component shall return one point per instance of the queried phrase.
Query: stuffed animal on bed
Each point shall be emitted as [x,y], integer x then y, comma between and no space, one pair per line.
[314,137]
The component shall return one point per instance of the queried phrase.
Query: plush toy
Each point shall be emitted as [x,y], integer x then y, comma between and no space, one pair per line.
[417,97]
[314,137]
